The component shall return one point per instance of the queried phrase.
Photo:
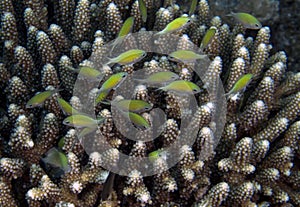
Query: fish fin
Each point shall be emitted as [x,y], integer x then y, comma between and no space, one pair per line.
[115,44]
[107,102]
[72,69]
[230,15]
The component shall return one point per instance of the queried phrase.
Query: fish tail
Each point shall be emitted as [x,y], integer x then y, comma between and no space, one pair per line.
[158,33]
[114,44]
[230,15]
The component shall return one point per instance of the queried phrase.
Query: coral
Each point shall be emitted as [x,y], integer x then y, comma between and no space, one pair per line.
[252,161]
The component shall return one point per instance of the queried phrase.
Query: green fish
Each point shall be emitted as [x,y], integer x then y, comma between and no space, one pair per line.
[57,159]
[181,87]
[128,57]
[185,56]
[80,121]
[102,95]
[113,81]
[125,30]
[88,72]
[240,84]
[143,10]
[175,25]
[66,107]
[40,98]
[127,27]
[208,37]
[160,77]
[138,120]
[153,156]
[131,105]
[247,20]
[193,7]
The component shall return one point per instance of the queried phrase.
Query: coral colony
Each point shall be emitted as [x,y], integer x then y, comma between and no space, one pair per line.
[46,45]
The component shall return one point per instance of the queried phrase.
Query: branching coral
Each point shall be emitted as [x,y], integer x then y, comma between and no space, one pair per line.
[254,163]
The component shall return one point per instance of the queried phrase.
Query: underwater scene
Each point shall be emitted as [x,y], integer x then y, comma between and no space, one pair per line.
[151,103]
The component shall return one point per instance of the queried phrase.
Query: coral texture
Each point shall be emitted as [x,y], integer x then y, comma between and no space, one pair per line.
[255,162]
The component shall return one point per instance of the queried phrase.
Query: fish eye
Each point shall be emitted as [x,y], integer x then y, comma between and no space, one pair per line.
[195,90]
[257,25]
[124,75]
[67,122]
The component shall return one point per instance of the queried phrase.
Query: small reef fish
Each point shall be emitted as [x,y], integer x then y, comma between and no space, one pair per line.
[185,56]
[88,72]
[208,37]
[131,105]
[193,7]
[240,84]
[182,87]
[127,27]
[143,10]
[101,96]
[138,120]
[66,107]
[125,30]
[57,159]
[247,20]
[113,81]
[175,25]
[40,98]
[128,57]
[153,156]
[160,77]
[80,121]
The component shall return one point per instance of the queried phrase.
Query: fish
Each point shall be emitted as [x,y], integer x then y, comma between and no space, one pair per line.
[88,72]
[160,77]
[193,7]
[111,83]
[40,98]
[66,107]
[247,20]
[240,84]
[108,186]
[138,120]
[125,30]
[81,121]
[126,27]
[143,10]
[58,159]
[181,87]
[208,37]
[132,105]
[128,57]
[185,56]
[175,25]
[101,96]
[153,156]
